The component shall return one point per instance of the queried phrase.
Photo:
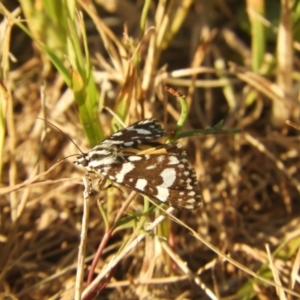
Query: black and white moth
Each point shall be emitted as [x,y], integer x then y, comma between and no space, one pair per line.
[131,157]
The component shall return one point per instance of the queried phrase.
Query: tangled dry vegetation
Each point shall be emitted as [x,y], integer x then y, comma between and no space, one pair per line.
[248,226]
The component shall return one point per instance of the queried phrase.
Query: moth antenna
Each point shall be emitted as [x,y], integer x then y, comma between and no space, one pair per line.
[64,134]
[61,159]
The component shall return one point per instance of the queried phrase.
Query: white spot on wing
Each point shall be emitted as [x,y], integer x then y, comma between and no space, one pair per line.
[191,201]
[97,150]
[189,206]
[126,168]
[168,176]
[134,158]
[160,158]
[173,160]
[143,131]
[118,133]
[113,142]
[162,194]
[128,144]
[139,130]
[109,160]
[151,167]
[140,184]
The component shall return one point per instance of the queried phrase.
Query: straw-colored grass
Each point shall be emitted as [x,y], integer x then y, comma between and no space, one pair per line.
[89,66]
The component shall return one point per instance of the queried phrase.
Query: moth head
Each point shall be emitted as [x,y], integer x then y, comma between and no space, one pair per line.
[82,160]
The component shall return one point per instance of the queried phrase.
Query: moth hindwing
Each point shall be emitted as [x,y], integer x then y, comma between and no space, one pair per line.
[132,158]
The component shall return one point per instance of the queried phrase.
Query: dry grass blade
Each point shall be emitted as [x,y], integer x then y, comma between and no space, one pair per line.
[279,291]
[83,240]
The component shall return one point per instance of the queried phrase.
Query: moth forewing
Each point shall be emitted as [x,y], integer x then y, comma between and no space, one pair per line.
[138,133]
[164,175]
[160,171]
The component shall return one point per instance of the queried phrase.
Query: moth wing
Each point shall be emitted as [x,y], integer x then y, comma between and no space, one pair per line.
[165,176]
[138,133]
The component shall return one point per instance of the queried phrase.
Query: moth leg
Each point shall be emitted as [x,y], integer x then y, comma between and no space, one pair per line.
[90,183]
[102,182]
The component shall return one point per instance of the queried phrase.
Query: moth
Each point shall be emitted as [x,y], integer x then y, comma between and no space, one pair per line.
[132,157]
